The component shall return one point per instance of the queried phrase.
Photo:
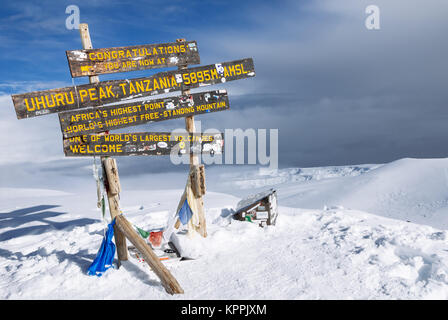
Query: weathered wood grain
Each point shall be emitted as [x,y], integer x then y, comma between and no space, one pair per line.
[113,180]
[97,119]
[123,59]
[143,143]
[201,228]
[113,189]
[92,95]
[198,180]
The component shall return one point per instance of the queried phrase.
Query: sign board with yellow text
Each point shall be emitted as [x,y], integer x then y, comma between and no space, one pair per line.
[143,143]
[98,119]
[92,95]
[91,62]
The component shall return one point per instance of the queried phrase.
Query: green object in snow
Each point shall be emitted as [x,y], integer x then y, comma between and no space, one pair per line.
[143,233]
[248,218]
[103,206]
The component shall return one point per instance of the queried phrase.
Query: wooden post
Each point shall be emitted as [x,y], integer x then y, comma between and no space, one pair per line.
[110,170]
[194,166]
[168,281]
[122,227]
[198,180]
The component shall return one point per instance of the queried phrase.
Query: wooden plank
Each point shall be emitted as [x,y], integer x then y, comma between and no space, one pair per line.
[142,143]
[97,119]
[198,180]
[112,183]
[86,42]
[194,162]
[201,174]
[132,58]
[113,180]
[92,95]
[168,281]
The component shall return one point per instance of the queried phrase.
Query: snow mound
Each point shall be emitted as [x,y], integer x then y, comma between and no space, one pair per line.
[263,177]
[407,189]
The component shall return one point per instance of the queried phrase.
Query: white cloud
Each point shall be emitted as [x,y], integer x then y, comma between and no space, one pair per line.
[28,86]
[28,140]
[322,46]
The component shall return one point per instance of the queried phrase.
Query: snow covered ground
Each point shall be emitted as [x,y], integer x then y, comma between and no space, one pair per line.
[354,232]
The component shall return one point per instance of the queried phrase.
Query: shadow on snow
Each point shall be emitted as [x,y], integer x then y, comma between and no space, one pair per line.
[40,213]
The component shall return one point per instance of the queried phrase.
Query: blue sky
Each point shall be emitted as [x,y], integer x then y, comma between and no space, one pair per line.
[338,93]
[34,36]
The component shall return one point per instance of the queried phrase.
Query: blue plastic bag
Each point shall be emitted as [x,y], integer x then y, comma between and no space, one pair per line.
[105,256]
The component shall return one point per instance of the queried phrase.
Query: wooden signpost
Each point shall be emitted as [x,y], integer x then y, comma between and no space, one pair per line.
[110,170]
[87,112]
[194,163]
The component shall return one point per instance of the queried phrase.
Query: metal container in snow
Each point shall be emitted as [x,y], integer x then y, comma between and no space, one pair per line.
[260,208]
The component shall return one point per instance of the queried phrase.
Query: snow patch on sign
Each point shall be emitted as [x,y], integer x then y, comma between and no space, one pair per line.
[174,60]
[79,55]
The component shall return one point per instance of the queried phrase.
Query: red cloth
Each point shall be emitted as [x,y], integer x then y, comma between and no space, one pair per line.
[156,238]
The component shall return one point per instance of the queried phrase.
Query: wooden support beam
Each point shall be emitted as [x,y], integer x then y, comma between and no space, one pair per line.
[112,181]
[194,163]
[198,180]
[201,174]
[87,44]
[168,281]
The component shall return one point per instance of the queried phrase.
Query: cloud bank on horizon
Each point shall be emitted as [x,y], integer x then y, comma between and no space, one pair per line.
[338,92]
